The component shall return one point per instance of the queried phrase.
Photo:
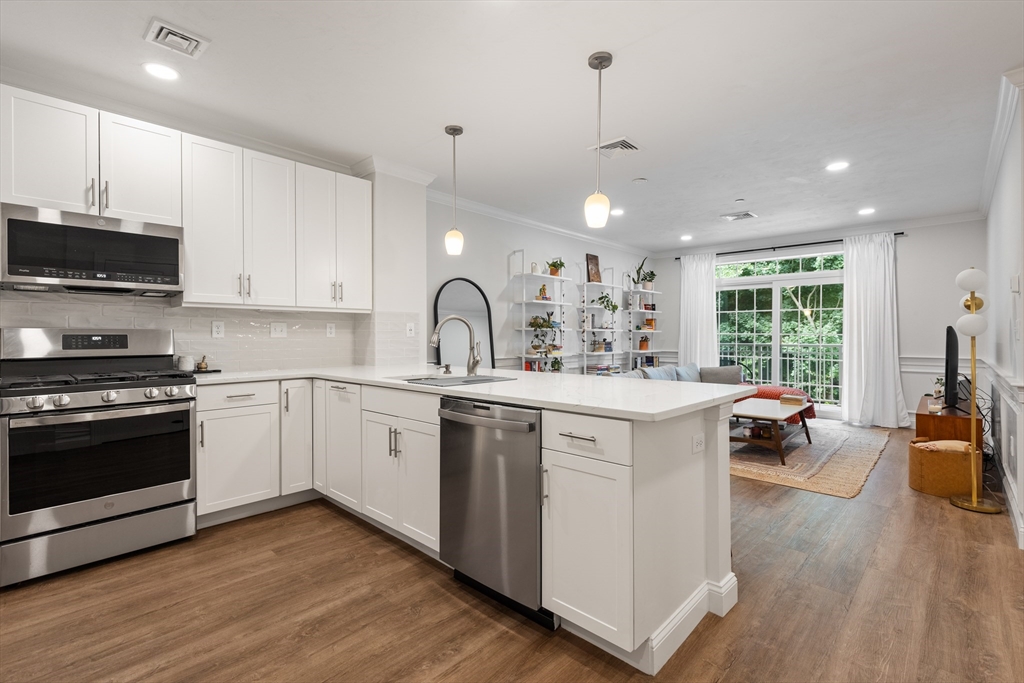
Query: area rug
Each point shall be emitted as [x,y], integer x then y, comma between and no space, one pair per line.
[837,463]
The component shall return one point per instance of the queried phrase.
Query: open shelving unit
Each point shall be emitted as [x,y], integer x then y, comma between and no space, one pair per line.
[637,315]
[592,315]
[524,284]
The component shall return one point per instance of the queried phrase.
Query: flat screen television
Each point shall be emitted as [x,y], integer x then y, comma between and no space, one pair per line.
[952,387]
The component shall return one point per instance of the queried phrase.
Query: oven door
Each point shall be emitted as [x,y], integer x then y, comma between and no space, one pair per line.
[63,470]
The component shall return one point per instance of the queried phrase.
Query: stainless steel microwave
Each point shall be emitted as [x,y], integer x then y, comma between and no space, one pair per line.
[60,251]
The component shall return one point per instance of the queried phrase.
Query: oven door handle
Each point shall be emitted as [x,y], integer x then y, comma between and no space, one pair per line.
[44,420]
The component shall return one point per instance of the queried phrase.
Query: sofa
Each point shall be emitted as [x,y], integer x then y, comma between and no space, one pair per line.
[726,374]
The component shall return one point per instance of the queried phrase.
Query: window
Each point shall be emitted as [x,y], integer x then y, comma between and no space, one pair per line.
[782,319]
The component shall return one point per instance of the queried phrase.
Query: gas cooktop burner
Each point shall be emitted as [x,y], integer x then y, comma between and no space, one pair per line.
[31,381]
[97,377]
[144,375]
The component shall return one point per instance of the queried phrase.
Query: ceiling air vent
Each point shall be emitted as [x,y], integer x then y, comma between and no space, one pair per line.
[177,39]
[618,147]
[739,216]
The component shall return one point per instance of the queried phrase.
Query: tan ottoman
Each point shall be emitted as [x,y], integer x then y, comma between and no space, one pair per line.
[944,472]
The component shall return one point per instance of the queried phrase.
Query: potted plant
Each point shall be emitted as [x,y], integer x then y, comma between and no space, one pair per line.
[555,267]
[648,280]
[639,276]
[606,302]
[556,365]
[645,343]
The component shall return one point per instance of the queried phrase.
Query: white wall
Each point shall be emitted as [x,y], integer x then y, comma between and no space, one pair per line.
[489,241]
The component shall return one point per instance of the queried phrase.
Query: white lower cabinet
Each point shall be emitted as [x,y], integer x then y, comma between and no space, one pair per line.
[343,444]
[320,435]
[401,475]
[587,544]
[296,436]
[238,460]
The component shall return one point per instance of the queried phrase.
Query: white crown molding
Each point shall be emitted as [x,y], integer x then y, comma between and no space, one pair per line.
[377,164]
[1010,87]
[839,233]
[501,214]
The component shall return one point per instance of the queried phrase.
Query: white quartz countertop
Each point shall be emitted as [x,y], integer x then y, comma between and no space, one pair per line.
[618,397]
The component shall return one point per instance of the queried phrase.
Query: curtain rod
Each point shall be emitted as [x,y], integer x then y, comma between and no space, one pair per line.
[786,246]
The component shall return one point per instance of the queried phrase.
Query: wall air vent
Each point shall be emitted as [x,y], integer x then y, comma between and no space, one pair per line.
[177,39]
[739,216]
[618,147]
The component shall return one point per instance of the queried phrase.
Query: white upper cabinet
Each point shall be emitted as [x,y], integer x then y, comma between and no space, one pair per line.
[316,263]
[269,211]
[49,152]
[355,243]
[141,170]
[211,175]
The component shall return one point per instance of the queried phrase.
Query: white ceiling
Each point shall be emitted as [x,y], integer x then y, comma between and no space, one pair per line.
[728,99]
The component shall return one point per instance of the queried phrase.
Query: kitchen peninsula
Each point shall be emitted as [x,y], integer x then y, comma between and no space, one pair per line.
[635,522]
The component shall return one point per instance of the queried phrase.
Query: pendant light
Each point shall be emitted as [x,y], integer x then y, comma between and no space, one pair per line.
[597,206]
[453,238]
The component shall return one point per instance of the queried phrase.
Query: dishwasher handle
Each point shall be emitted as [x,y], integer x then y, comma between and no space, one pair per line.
[488,422]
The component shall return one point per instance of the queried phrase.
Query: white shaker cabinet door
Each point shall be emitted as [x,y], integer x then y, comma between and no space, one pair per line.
[211,177]
[587,541]
[49,152]
[238,460]
[269,209]
[316,255]
[141,170]
[419,481]
[380,468]
[355,243]
[344,444]
[296,436]
[320,435]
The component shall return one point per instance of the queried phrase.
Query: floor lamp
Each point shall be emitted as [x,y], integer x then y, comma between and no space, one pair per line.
[972,325]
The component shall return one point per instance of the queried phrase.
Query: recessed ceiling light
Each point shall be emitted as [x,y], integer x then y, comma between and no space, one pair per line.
[617,212]
[686,238]
[161,71]
[866,212]
[837,166]
[639,181]
[740,201]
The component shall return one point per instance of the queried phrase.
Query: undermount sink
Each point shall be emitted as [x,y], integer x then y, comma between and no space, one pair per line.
[452,381]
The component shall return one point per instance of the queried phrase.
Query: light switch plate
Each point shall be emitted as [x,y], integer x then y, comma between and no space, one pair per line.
[278,330]
[217,329]
[330,330]
[698,443]
[410,329]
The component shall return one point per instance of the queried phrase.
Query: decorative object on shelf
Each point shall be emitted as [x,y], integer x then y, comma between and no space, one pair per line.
[202,366]
[542,294]
[606,302]
[453,239]
[645,343]
[972,325]
[649,323]
[648,280]
[597,206]
[593,268]
[534,268]
[940,387]
[556,365]
[555,267]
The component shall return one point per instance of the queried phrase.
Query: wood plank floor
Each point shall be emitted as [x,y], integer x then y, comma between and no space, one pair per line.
[890,586]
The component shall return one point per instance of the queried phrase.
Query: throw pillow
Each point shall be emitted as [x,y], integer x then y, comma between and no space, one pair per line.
[688,373]
[666,372]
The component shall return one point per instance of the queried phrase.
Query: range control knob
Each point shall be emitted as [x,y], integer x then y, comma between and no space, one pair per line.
[36,402]
[171,391]
[152,392]
[61,401]
[109,396]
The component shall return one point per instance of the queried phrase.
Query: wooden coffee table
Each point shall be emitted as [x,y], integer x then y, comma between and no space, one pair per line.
[772,412]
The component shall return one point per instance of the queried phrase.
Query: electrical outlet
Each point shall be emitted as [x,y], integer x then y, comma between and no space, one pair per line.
[278,330]
[217,329]
[698,443]
[330,330]
[410,329]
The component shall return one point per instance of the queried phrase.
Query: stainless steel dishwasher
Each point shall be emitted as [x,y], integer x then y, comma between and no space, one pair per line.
[491,501]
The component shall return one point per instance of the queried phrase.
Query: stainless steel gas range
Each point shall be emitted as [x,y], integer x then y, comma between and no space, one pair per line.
[97,455]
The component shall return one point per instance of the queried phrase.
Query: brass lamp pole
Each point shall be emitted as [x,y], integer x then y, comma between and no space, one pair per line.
[972,325]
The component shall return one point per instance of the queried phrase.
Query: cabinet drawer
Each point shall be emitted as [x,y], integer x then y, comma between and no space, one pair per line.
[592,437]
[411,405]
[216,396]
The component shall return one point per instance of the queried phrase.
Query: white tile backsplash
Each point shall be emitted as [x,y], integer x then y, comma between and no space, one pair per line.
[246,345]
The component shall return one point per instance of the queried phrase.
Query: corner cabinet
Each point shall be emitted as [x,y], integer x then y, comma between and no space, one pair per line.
[296,436]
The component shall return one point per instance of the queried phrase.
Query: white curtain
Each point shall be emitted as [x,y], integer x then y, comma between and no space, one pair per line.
[698,320]
[872,391]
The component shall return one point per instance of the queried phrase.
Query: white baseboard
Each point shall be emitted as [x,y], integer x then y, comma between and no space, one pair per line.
[383,527]
[659,648]
[1015,512]
[257,508]
[723,596]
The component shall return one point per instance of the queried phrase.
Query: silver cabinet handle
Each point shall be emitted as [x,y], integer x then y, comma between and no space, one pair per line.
[239,395]
[391,442]
[544,477]
[92,193]
[248,290]
[334,291]
[570,435]
[239,285]
[341,291]
[286,403]
[398,451]
[106,194]
[202,435]
[343,390]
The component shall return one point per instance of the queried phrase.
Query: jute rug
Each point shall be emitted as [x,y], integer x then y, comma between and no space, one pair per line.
[837,463]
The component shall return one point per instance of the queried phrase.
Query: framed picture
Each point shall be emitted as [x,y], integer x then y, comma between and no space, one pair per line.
[593,268]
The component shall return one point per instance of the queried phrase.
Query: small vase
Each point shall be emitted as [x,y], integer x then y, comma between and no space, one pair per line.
[644,346]
[648,285]
[554,271]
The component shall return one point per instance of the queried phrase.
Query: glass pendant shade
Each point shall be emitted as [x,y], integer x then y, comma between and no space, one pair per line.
[972,325]
[971,280]
[596,210]
[453,242]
